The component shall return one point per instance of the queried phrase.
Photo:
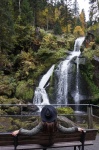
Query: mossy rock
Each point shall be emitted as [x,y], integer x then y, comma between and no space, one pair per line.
[89,53]
[92,45]
[33,119]
[5,100]
[13,110]
[97,39]
[7,85]
[5,124]
[66,122]
[24,91]
[16,122]
[1,127]
[26,123]
[13,128]
[65,110]
[2,112]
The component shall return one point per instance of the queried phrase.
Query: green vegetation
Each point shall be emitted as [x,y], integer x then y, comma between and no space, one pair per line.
[34,36]
[89,72]
[65,110]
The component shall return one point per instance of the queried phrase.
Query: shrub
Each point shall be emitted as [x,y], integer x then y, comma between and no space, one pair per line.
[57,28]
[65,110]
[24,91]
[78,31]
[92,45]
[68,111]
[13,110]
[97,40]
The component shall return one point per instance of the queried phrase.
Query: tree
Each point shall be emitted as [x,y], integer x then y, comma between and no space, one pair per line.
[75,9]
[65,13]
[78,31]
[57,28]
[6,24]
[94,11]
[82,20]
[26,13]
[37,6]
[78,22]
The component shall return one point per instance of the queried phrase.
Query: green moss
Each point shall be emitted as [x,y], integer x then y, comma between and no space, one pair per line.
[92,51]
[88,72]
[24,91]
[65,110]
[94,89]
[6,100]
[7,85]
[39,71]
[97,39]
[2,112]
[13,110]
[16,123]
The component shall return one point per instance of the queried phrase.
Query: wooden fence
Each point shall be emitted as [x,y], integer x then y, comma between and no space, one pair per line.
[92,111]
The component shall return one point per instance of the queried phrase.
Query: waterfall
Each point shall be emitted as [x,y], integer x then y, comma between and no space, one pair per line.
[77,95]
[62,71]
[46,77]
[78,43]
[40,95]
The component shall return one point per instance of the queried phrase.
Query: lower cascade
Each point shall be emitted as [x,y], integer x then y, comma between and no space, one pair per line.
[67,83]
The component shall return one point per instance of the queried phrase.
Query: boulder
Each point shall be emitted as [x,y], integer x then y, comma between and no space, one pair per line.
[66,122]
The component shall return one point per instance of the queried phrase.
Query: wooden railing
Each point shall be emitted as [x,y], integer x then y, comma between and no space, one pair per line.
[91,111]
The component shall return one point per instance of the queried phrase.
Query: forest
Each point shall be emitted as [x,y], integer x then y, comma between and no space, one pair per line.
[34,34]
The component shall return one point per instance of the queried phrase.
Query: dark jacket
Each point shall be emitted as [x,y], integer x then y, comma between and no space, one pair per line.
[39,128]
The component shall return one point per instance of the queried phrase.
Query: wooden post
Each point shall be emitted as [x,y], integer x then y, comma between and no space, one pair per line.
[90,118]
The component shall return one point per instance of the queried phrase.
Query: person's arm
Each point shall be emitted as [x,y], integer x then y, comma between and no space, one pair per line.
[66,130]
[15,132]
[33,131]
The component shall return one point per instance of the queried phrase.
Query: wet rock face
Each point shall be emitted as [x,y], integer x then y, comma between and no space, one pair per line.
[30,108]
[89,38]
[82,60]
[96,70]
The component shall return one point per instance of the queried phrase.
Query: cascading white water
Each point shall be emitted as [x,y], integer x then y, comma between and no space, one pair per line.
[78,43]
[76,97]
[40,95]
[63,73]
[63,69]
[62,90]
[46,77]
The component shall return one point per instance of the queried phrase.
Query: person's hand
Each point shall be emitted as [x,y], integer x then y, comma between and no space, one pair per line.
[15,132]
[80,129]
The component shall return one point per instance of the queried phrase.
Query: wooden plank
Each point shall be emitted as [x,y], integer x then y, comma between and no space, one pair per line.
[56,145]
[55,140]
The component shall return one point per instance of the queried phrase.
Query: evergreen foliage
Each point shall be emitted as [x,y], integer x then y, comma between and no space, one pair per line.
[25,54]
[57,28]
[6,25]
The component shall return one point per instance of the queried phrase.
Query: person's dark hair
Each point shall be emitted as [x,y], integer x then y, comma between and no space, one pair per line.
[49,127]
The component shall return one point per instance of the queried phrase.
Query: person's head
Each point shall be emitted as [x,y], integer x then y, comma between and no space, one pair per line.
[49,118]
[48,114]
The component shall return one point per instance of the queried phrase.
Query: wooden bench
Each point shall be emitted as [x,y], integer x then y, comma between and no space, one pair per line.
[54,140]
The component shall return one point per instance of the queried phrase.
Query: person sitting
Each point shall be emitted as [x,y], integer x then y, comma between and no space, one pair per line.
[48,123]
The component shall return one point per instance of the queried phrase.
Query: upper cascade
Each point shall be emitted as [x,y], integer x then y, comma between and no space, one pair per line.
[78,43]
[46,77]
